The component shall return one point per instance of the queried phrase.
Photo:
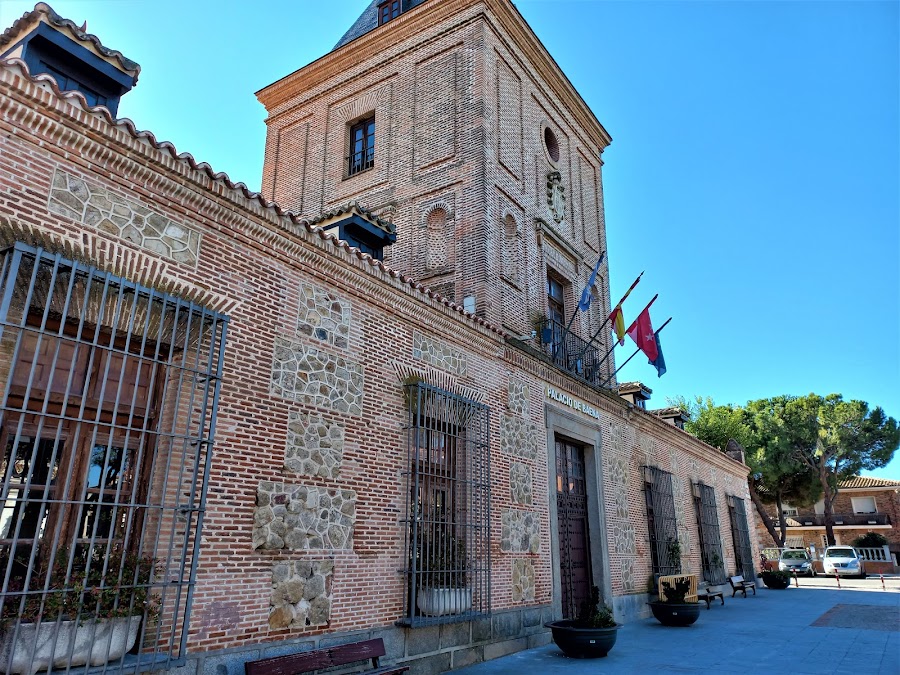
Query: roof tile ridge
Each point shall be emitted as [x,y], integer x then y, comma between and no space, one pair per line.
[220,176]
[43,8]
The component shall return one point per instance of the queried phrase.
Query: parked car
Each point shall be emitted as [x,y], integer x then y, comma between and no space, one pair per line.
[796,560]
[844,561]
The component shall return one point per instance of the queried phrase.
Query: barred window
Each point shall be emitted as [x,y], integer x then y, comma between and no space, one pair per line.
[362,146]
[665,551]
[711,558]
[448,507]
[740,532]
[109,392]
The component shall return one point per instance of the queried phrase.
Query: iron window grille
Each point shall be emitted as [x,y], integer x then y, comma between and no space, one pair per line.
[711,558]
[740,532]
[665,551]
[109,394]
[447,526]
[362,146]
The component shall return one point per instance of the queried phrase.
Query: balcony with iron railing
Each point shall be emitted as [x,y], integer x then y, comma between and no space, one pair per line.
[838,519]
[570,352]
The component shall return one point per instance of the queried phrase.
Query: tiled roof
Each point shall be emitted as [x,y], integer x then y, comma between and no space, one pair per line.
[188,160]
[865,482]
[632,387]
[382,224]
[368,20]
[30,18]
[671,411]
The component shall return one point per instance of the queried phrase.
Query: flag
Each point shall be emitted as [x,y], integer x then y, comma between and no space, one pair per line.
[659,362]
[586,295]
[616,318]
[641,331]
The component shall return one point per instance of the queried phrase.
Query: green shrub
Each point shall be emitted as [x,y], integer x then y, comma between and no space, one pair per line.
[593,614]
[870,540]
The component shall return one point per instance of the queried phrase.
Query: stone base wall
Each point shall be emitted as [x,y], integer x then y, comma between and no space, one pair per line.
[427,650]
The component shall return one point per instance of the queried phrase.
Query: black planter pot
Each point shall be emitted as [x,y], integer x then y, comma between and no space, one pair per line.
[675,613]
[582,643]
[777,583]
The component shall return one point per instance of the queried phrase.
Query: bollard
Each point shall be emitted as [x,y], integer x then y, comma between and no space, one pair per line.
[882,582]
[837,576]
[796,581]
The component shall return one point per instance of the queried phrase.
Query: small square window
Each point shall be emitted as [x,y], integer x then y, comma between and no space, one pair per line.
[362,146]
[387,11]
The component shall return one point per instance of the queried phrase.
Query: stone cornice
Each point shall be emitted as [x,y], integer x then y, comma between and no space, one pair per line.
[413,25]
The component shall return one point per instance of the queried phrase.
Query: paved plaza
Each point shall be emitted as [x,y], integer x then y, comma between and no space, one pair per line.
[814,629]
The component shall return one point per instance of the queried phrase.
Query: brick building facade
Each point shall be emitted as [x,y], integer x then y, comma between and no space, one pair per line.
[862,505]
[299,437]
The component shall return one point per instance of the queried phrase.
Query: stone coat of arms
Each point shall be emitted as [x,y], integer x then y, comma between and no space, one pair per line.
[556,196]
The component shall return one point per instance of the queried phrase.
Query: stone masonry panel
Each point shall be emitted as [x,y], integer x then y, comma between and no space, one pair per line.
[523,580]
[300,517]
[518,437]
[301,594]
[315,446]
[439,354]
[520,485]
[97,207]
[323,316]
[309,375]
[518,398]
[520,532]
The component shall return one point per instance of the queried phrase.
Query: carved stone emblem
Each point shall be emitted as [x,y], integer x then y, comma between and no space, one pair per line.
[556,196]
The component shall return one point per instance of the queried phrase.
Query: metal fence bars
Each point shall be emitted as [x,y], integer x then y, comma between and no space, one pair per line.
[665,549]
[448,507]
[109,391]
[740,532]
[573,354]
[711,557]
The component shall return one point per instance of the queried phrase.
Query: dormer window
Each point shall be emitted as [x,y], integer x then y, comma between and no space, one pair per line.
[387,11]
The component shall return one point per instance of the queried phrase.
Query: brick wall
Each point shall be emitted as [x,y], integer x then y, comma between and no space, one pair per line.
[461,114]
[252,263]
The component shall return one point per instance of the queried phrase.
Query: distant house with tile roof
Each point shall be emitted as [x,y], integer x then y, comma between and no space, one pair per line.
[863,504]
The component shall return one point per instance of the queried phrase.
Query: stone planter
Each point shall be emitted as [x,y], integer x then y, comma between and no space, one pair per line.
[776,581]
[66,643]
[443,601]
[582,643]
[675,613]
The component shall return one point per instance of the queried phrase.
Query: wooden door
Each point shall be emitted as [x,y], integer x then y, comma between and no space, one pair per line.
[572,520]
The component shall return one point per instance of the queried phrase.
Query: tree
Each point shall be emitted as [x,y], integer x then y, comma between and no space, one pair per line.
[769,439]
[797,448]
[778,476]
[849,437]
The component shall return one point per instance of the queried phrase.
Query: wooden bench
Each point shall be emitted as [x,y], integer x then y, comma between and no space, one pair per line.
[708,595]
[738,584]
[318,659]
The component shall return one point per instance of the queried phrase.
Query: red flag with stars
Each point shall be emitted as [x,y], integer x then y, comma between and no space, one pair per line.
[641,331]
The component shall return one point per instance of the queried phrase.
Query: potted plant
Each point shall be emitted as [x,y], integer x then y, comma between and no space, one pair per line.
[89,614]
[671,609]
[589,636]
[776,579]
[443,588]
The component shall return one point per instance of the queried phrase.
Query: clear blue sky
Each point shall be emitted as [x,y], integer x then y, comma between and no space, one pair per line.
[754,170]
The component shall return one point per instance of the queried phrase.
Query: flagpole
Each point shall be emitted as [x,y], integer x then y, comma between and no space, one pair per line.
[657,332]
[593,276]
[603,325]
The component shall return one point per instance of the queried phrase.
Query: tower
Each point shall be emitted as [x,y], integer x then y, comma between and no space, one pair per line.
[451,120]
